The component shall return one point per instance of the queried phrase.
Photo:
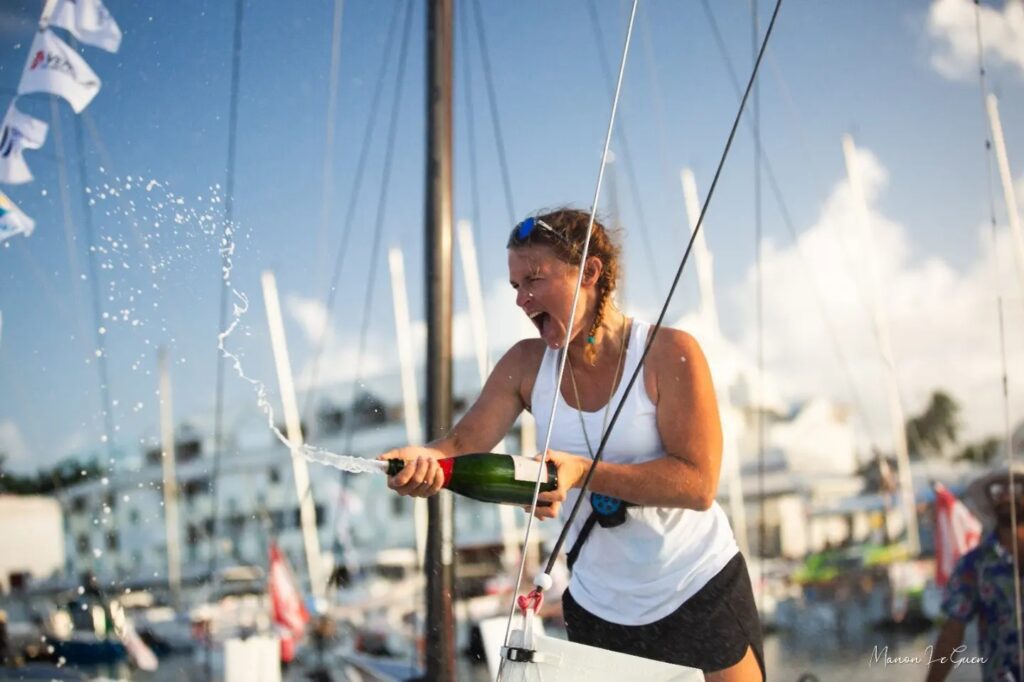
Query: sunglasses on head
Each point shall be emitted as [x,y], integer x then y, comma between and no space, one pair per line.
[521,233]
[1000,489]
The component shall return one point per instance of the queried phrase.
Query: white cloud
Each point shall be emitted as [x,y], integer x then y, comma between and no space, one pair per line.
[14,446]
[311,314]
[952,24]
[943,322]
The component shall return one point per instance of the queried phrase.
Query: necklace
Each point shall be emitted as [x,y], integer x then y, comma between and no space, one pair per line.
[615,380]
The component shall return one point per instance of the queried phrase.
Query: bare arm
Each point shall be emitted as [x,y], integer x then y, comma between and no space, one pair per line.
[479,430]
[689,427]
[950,637]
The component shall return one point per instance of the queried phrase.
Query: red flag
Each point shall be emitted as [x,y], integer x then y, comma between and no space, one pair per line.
[289,613]
[957,531]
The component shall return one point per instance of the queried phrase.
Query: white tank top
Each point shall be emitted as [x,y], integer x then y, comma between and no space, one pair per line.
[643,570]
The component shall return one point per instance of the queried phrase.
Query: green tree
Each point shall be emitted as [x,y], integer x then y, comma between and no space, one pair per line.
[47,481]
[931,433]
[981,452]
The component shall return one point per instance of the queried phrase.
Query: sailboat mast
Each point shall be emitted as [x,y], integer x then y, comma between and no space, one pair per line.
[170,481]
[1009,194]
[440,573]
[410,396]
[881,328]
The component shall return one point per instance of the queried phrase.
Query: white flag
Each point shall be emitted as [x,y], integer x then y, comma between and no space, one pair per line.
[55,68]
[19,132]
[12,220]
[89,21]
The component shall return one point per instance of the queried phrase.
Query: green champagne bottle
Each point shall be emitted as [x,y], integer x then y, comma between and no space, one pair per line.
[491,477]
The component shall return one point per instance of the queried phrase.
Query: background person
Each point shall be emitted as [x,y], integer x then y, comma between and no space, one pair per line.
[982,584]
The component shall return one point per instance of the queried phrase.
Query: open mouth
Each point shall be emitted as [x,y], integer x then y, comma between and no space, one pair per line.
[539,320]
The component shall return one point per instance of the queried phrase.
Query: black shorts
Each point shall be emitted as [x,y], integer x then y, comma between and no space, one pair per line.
[710,631]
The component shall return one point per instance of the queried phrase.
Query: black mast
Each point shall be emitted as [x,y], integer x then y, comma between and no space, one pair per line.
[439,567]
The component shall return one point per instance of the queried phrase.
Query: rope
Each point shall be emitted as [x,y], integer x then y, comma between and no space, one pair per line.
[492,100]
[328,167]
[229,204]
[69,223]
[347,224]
[474,188]
[762,527]
[1007,436]
[94,293]
[568,336]
[787,220]
[675,282]
[377,234]
[627,157]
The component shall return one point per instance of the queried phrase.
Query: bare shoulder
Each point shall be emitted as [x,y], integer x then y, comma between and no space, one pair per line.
[676,357]
[520,364]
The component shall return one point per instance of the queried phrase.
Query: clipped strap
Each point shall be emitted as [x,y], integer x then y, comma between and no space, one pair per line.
[574,553]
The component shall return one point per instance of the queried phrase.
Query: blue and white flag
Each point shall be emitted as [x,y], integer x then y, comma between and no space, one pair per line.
[89,21]
[18,133]
[55,68]
[12,220]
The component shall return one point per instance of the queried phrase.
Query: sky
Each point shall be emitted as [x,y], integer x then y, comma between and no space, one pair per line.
[900,78]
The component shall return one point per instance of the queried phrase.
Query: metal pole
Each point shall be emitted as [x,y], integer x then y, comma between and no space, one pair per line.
[170,481]
[293,425]
[440,657]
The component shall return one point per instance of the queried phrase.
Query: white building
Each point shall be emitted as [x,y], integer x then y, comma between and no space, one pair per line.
[115,525]
[32,528]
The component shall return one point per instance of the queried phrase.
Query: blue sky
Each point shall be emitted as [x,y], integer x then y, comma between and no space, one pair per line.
[875,70]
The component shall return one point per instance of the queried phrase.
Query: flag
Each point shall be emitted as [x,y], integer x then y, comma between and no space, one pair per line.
[19,132]
[289,613]
[89,21]
[55,68]
[957,531]
[12,220]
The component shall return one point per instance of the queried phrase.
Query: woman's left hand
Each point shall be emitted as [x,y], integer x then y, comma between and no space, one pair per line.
[571,470]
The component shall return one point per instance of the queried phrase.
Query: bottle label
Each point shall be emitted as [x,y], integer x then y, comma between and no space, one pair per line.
[526,469]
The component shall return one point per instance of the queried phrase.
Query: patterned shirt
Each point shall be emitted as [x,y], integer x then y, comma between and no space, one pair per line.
[982,585]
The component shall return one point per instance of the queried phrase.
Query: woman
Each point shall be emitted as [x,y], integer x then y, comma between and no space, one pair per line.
[668,582]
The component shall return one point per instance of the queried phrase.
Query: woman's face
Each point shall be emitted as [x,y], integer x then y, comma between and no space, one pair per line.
[544,286]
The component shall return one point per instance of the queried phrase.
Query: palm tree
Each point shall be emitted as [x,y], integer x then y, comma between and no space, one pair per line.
[931,433]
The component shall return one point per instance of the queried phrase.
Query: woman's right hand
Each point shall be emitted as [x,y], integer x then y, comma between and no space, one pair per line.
[421,476]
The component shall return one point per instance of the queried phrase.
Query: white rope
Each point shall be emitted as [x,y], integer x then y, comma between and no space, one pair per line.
[572,314]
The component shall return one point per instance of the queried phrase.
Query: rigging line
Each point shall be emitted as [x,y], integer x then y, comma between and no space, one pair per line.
[229,207]
[755,119]
[474,188]
[492,99]
[634,186]
[787,219]
[675,282]
[659,103]
[43,280]
[346,230]
[568,333]
[65,203]
[94,294]
[810,156]
[1007,434]
[378,232]
[327,172]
